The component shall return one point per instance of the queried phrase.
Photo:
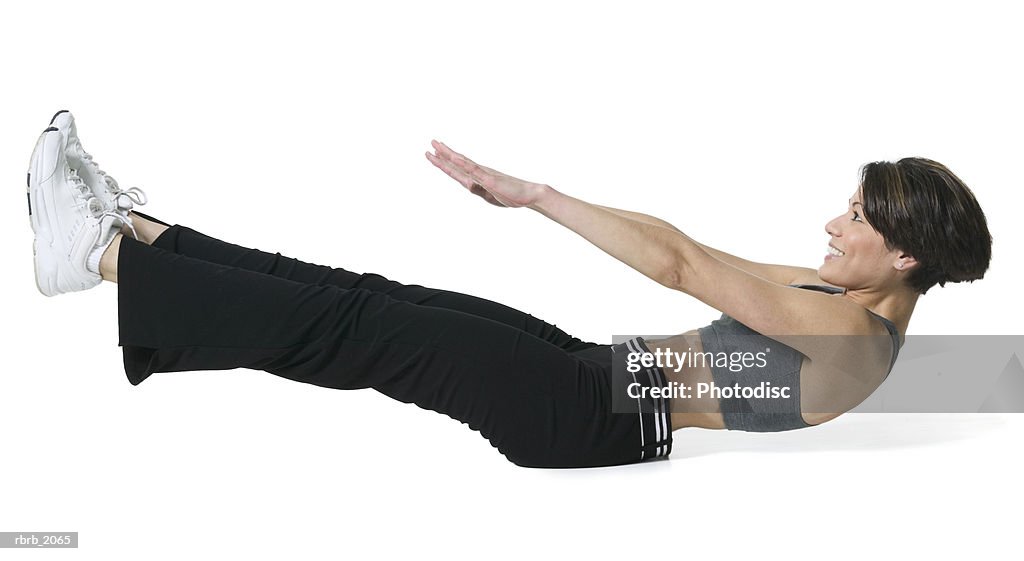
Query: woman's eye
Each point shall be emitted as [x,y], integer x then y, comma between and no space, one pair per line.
[856,216]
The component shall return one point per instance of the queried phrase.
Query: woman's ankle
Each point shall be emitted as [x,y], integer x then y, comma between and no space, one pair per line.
[108,262]
[147,230]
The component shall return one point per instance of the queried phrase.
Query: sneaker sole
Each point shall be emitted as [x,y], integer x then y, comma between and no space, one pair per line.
[42,227]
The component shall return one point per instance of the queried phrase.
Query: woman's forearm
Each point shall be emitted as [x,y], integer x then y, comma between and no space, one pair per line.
[655,221]
[641,217]
[778,273]
[655,251]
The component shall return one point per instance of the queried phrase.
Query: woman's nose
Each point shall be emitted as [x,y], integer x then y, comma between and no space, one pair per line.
[832,227]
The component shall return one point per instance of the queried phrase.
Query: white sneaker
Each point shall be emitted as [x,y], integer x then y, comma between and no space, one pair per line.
[68,220]
[104,187]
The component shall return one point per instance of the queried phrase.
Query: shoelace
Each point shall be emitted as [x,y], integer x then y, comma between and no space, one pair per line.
[136,195]
[84,192]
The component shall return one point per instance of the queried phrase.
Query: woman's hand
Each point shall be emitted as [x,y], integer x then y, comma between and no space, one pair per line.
[491,185]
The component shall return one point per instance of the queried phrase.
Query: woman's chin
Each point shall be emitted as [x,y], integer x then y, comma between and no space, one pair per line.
[825,274]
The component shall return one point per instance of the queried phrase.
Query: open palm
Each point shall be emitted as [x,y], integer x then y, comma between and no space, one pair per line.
[493,186]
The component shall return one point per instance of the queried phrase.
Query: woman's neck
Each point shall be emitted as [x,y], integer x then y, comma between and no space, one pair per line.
[895,305]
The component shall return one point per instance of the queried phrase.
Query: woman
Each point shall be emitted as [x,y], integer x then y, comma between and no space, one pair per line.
[778,359]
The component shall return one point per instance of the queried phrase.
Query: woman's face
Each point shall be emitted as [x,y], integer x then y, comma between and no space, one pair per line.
[857,257]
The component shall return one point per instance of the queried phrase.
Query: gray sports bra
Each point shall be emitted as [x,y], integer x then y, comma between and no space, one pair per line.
[765,414]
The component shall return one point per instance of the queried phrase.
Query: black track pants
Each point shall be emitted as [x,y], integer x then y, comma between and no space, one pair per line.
[541,397]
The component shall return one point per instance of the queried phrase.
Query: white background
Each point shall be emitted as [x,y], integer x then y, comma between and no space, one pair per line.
[301,127]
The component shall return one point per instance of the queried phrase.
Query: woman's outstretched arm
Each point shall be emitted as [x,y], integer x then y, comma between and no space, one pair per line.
[765,306]
[782,274]
[648,244]
[650,249]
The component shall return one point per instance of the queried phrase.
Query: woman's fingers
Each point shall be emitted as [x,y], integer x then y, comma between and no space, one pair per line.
[452,170]
[464,179]
[467,165]
[444,151]
[480,180]
[466,171]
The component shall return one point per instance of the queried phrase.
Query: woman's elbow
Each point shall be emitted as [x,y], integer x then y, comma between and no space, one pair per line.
[678,274]
[689,267]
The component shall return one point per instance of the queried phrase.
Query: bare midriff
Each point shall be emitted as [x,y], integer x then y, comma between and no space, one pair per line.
[692,411]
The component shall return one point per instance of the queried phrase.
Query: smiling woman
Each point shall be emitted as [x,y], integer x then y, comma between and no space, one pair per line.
[543,398]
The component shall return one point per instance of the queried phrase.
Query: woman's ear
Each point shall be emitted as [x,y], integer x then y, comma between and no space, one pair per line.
[905,262]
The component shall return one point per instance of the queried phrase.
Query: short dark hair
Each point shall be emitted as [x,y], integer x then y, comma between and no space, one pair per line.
[923,209]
